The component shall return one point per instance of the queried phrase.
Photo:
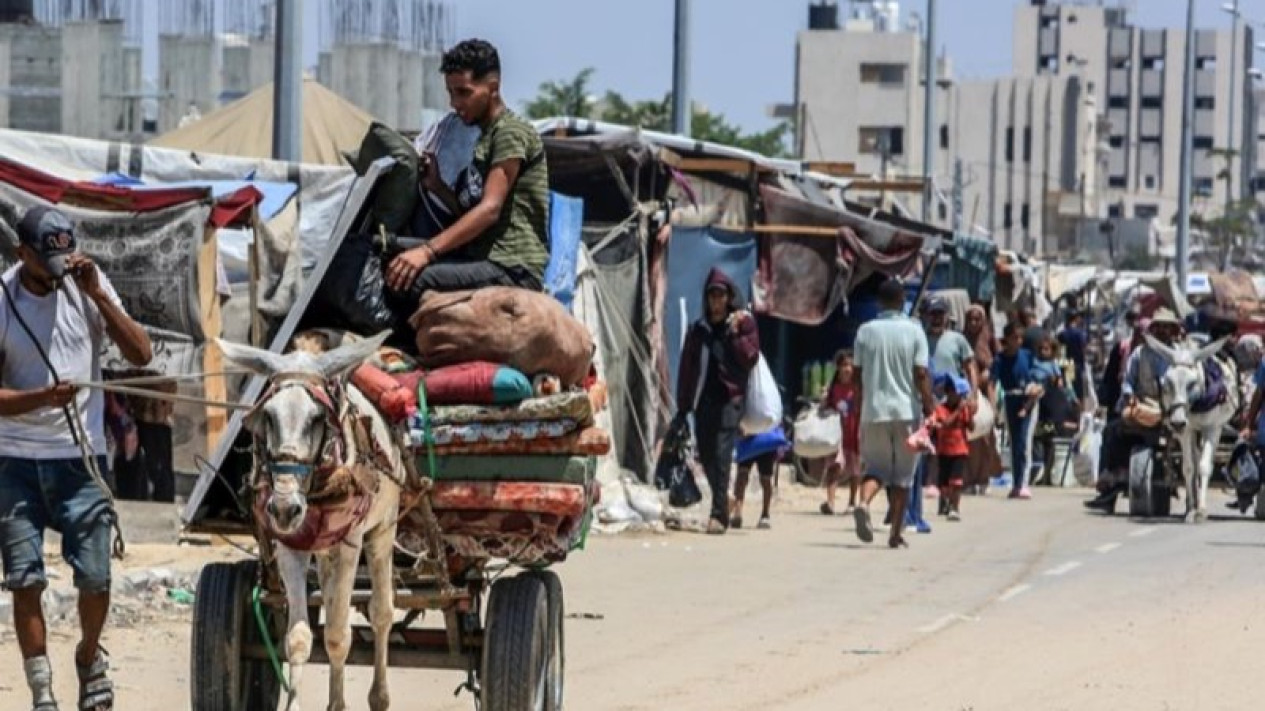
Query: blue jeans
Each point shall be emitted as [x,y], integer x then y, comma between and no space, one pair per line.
[59,494]
[1018,428]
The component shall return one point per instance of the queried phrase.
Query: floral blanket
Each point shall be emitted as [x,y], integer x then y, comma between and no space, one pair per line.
[590,441]
[573,405]
[475,435]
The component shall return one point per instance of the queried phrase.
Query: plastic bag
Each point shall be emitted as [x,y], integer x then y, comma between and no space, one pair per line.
[1086,450]
[985,417]
[674,472]
[764,403]
[353,293]
[817,433]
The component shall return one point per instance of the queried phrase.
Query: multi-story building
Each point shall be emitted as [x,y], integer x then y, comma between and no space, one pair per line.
[1087,127]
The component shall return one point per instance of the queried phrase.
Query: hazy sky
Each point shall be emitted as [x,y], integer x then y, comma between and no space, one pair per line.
[743,50]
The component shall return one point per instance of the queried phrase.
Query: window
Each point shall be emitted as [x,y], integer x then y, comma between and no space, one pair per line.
[1152,102]
[890,75]
[1118,102]
[1049,63]
[1205,102]
[1153,63]
[1116,141]
[1010,144]
[1205,64]
[1203,187]
[944,136]
[1148,182]
[1115,211]
[1146,212]
[1027,144]
[944,212]
[1006,222]
[1118,181]
[1202,143]
[1023,216]
[877,140]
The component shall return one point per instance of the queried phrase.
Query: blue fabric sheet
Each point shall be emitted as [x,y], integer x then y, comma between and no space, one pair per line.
[692,252]
[566,220]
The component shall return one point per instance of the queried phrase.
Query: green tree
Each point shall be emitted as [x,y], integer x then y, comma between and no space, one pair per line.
[1229,232]
[563,98]
[570,98]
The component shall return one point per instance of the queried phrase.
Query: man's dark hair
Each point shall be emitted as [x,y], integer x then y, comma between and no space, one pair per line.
[891,294]
[476,56]
[1011,329]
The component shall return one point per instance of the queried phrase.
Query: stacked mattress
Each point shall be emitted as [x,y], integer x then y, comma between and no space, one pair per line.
[511,481]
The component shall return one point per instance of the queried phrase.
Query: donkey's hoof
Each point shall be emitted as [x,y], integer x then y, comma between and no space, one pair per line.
[1191,517]
[1201,516]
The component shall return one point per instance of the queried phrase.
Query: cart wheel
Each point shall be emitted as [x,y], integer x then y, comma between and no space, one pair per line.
[221,679]
[555,672]
[1147,497]
[515,645]
[1259,509]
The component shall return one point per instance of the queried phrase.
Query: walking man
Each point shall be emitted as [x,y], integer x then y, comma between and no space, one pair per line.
[895,393]
[57,313]
[720,351]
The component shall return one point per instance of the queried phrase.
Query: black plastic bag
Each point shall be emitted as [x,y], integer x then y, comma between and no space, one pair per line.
[674,472]
[353,294]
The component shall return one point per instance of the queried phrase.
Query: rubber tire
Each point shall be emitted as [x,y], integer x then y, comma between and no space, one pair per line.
[555,680]
[223,623]
[515,645]
[1259,509]
[1142,491]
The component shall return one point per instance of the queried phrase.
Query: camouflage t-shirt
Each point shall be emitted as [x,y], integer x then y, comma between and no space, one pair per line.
[520,236]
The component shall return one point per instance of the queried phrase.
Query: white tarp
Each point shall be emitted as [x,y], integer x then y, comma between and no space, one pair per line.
[322,189]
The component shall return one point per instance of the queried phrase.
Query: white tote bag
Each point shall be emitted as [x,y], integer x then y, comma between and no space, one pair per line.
[817,433]
[764,403]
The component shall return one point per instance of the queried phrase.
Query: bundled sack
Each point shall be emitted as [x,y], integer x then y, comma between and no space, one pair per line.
[476,383]
[393,399]
[395,195]
[353,294]
[526,330]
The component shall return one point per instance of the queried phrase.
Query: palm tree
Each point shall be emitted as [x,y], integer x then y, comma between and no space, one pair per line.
[563,98]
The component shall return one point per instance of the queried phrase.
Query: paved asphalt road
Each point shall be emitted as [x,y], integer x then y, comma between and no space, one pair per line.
[1023,605]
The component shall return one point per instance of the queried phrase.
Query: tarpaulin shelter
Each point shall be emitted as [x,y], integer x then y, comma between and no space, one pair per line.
[331,126]
[158,248]
[662,209]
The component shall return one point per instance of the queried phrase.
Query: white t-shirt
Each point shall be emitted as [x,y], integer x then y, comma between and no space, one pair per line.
[71,330]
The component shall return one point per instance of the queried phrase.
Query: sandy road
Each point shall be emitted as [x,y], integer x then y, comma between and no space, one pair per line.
[1032,605]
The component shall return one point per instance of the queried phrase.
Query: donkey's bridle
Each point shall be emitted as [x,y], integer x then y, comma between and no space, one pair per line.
[328,454]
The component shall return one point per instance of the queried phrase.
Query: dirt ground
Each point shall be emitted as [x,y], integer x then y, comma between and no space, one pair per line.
[1033,605]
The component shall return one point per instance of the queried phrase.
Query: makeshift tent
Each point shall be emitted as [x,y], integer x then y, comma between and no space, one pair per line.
[331,125]
[158,248]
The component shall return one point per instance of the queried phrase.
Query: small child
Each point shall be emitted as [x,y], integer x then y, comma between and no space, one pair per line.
[841,396]
[952,422]
[1048,375]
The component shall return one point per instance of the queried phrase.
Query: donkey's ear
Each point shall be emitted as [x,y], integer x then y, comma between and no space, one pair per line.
[1210,350]
[344,359]
[1168,352]
[256,360]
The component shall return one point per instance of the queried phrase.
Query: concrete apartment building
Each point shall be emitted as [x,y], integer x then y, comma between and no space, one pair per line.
[1087,126]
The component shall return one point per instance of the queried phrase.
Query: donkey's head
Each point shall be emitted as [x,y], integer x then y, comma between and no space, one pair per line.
[296,421]
[1184,379]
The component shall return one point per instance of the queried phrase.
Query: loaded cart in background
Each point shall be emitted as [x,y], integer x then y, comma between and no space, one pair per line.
[500,474]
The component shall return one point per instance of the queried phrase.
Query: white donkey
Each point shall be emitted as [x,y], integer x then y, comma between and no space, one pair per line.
[305,430]
[1198,432]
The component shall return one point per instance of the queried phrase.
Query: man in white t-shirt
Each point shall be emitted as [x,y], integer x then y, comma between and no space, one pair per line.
[57,311]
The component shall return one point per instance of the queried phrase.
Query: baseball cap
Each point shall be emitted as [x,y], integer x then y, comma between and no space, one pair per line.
[50,234]
[937,304]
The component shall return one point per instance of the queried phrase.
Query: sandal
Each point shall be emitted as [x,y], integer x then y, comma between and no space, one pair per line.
[827,509]
[96,691]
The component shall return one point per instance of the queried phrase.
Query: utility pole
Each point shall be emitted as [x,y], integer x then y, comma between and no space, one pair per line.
[957,195]
[1229,135]
[1188,115]
[929,111]
[287,85]
[680,70]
